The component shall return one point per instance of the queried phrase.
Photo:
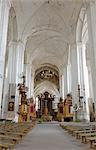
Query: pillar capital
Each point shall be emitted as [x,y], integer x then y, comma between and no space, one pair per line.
[21,44]
[12,43]
[73,49]
[79,43]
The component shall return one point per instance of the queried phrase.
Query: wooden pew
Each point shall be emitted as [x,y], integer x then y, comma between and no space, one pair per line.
[6,145]
[91,140]
[11,134]
[85,135]
[78,133]
[11,138]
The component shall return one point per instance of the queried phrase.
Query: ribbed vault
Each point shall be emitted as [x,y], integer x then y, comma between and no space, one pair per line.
[47,27]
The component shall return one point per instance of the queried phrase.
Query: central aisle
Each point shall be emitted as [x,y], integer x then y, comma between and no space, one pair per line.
[50,136]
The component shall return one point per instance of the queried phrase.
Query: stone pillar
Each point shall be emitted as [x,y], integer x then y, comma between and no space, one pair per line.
[90,99]
[65,72]
[60,83]
[74,79]
[3,41]
[5,98]
[83,80]
[90,80]
[20,61]
[63,86]
[10,82]
[80,67]
[32,83]
[74,73]
[12,61]
[65,82]
[86,84]
[91,95]
[69,71]
[28,79]
[91,11]
[19,70]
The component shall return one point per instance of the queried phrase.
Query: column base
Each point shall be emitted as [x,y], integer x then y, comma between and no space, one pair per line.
[82,116]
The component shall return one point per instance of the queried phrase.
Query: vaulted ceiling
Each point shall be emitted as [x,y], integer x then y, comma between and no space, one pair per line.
[47,27]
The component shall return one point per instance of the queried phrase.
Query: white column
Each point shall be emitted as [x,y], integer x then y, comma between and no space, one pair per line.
[3,42]
[74,80]
[5,98]
[69,71]
[83,79]
[60,83]
[65,82]
[63,86]
[74,73]
[32,83]
[80,67]
[86,84]
[91,11]
[90,80]
[10,81]
[28,79]
[12,62]
[20,61]
[90,98]
[19,69]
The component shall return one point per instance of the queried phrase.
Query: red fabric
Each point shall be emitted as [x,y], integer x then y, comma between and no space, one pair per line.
[32,109]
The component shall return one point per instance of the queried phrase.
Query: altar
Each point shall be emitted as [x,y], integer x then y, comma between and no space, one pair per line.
[45,102]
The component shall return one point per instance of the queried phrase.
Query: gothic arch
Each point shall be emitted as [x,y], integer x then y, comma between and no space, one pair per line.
[46,86]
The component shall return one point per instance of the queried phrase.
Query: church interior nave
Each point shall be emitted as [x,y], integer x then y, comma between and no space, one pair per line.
[47,63]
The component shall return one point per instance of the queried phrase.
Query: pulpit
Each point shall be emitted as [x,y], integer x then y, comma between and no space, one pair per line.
[26,106]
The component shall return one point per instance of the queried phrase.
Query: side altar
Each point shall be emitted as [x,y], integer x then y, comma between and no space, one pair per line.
[65,112]
[26,110]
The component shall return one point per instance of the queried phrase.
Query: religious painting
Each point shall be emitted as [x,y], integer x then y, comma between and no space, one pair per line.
[11,106]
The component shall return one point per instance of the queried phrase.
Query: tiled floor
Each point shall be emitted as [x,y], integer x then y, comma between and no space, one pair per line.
[50,136]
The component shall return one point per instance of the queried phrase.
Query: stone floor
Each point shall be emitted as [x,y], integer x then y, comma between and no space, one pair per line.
[50,136]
